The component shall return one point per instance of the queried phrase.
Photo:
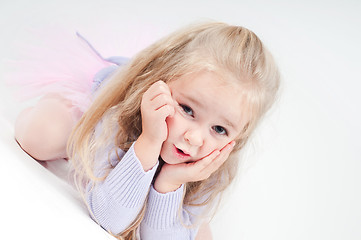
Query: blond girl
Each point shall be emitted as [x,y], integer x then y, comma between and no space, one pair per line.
[158,144]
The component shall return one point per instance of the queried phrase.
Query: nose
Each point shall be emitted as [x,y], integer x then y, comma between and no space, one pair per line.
[194,137]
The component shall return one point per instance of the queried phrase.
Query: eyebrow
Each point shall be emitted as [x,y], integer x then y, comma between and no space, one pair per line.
[193,100]
[201,105]
[229,123]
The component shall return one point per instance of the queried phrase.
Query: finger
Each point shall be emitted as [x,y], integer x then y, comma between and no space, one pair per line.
[220,159]
[204,162]
[165,111]
[229,145]
[161,100]
[226,150]
[156,89]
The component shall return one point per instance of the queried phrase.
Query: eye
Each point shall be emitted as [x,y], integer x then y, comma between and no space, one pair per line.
[187,110]
[220,130]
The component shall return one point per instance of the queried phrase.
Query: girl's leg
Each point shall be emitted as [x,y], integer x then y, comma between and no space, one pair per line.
[42,131]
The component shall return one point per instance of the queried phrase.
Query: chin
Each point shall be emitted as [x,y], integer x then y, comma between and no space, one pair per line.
[170,161]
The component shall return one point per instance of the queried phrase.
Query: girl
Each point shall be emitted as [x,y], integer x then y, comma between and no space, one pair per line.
[157,146]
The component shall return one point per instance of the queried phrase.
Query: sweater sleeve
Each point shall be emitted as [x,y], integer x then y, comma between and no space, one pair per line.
[162,221]
[116,201]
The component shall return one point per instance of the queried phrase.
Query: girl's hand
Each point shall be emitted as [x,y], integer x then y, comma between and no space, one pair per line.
[171,177]
[157,104]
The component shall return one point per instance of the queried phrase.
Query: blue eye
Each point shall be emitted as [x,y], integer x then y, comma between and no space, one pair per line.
[187,110]
[220,130]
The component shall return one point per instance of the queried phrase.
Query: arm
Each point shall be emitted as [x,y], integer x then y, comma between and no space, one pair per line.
[161,220]
[165,198]
[157,104]
[116,201]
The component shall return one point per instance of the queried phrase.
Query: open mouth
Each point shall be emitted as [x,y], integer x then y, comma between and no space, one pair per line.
[180,153]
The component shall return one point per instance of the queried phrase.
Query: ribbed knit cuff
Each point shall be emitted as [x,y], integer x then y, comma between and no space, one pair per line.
[162,209]
[128,183]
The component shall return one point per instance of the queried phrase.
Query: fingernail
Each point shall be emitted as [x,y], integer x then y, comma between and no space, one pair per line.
[233,143]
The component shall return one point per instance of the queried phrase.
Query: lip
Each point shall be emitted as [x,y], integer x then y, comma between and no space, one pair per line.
[180,154]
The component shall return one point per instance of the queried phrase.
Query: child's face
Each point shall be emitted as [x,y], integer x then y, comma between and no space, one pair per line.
[209,114]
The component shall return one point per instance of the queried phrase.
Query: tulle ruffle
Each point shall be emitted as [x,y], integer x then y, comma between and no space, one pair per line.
[58,62]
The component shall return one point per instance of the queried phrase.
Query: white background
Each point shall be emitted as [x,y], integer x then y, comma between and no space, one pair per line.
[302,176]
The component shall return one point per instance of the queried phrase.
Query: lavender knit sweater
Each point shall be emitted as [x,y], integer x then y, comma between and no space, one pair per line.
[117,200]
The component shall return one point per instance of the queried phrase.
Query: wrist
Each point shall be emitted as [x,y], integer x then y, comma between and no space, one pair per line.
[147,152]
[163,187]
[161,184]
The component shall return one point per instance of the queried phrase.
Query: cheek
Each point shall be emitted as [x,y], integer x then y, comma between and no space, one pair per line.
[208,147]
[213,145]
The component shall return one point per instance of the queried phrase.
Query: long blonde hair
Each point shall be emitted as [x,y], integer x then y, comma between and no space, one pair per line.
[224,49]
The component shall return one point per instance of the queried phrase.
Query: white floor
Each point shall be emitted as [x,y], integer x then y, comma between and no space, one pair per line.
[302,176]
[37,204]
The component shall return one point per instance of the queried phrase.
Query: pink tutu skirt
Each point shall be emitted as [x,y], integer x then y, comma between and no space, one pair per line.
[59,62]
[54,60]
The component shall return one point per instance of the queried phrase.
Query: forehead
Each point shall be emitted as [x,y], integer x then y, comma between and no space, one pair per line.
[217,96]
